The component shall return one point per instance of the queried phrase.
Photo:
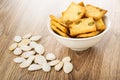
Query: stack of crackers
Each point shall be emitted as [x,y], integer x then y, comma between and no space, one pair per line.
[79,21]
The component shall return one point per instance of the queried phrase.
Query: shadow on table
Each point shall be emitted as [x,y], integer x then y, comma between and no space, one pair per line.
[86,63]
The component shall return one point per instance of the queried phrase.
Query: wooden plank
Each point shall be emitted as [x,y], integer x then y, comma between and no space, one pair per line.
[18,17]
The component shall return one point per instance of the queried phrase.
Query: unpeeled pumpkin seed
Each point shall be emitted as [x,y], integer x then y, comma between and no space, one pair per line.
[46,67]
[28,54]
[35,38]
[25,48]
[27,62]
[39,49]
[17,51]
[54,62]
[24,42]
[59,66]
[50,56]
[66,59]
[18,59]
[27,36]
[17,38]
[33,44]
[34,67]
[68,67]
[12,46]
[40,59]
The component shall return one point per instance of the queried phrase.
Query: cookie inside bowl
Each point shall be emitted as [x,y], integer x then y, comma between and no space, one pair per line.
[79,21]
[104,26]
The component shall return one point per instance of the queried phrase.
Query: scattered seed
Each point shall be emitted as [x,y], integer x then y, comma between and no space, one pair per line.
[27,36]
[34,67]
[39,49]
[40,59]
[17,51]
[66,59]
[33,44]
[59,66]
[13,46]
[28,54]
[17,38]
[35,38]
[68,67]
[50,56]
[46,67]
[54,62]
[25,48]
[27,62]
[24,42]
[18,60]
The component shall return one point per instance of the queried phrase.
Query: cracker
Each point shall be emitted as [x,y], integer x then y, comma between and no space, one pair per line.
[63,13]
[59,26]
[54,28]
[73,12]
[81,4]
[86,35]
[95,12]
[57,20]
[83,26]
[100,25]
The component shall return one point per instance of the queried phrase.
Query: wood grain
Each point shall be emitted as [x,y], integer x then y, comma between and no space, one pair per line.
[17,17]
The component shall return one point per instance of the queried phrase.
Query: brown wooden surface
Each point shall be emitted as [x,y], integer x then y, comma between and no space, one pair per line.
[101,62]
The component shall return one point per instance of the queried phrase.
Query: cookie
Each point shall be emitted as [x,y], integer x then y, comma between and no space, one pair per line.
[100,25]
[86,35]
[59,26]
[57,20]
[73,12]
[95,12]
[54,28]
[81,4]
[82,26]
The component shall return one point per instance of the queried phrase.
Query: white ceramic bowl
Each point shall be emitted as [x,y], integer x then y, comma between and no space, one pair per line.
[80,44]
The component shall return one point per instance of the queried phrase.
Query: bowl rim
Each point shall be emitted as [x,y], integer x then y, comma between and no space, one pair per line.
[77,39]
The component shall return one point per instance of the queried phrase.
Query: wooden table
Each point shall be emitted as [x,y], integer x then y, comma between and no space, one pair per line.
[17,17]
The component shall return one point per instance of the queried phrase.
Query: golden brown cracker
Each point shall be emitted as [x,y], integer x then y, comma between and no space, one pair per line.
[73,12]
[83,26]
[95,12]
[86,35]
[59,26]
[57,20]
[54,28]
[62,13]
[100,25]
[81,4]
